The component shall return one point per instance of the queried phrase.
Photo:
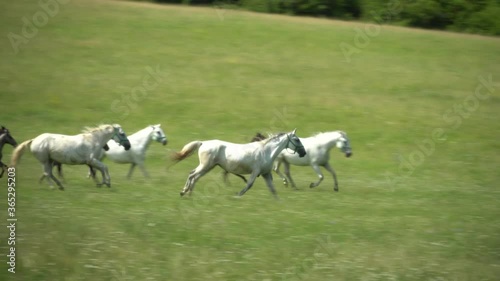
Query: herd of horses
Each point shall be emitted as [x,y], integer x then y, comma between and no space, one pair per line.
[257,158]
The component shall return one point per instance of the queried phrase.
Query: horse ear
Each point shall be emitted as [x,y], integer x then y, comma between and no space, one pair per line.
[294,130]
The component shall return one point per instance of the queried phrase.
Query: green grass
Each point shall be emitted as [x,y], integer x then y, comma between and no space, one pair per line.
[227,78]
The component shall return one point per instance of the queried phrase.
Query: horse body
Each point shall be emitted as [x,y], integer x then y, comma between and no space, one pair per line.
[317,148]
[5,137]
[253,158]
[317,155]
[257,137]
[136,155]
[139,142]
[238,158]
[72,150]
[78,149]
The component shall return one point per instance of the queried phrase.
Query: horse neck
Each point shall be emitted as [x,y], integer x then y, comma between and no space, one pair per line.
[142,137]
[101,137]
[2,141]
[275,148]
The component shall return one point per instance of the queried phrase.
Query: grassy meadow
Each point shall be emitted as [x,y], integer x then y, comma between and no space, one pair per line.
[419,199]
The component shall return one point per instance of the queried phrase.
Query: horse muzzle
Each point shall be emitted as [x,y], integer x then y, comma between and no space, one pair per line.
[301,152]
[164,142]
[348,154]
[126,145]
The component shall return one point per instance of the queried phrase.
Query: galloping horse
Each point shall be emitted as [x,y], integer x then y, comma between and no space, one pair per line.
[60,172]
[258,137]
[77,149]
[255,158]
[318,154]
[5,137]
[139,142]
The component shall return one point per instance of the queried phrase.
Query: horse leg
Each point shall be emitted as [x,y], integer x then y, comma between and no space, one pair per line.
[193,177]
[320,175]
[330,169]
[250,182]
[277,171]
[144,172]
[287,173]
[224,176]
[188,183]
[106,179]
[59,170]
[241,177]
[132,166]
[269,181]
[92,173]
[41,179]
[48,173]
[44,175]
[226,173]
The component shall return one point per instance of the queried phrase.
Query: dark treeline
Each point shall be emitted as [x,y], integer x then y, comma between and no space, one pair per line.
[475,16]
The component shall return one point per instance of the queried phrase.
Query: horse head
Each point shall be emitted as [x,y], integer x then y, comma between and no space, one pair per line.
[120,137]
[8,137]
[296,144]
[344,144]
[158,134]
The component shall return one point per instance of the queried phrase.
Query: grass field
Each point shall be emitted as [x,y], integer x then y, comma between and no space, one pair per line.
[419,199]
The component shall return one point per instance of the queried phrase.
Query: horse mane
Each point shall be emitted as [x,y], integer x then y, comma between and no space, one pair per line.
[90,130]
[340,132]
[272,137]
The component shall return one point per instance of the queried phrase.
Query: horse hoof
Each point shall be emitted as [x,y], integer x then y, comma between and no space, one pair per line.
[182,194]
[336,189]
[61,188]
[312,185]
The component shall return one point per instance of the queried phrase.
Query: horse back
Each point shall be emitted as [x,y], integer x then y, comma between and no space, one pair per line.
[232,157]
[66,149]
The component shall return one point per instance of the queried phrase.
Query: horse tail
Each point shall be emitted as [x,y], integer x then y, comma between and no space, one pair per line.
[186,151]
[18,152]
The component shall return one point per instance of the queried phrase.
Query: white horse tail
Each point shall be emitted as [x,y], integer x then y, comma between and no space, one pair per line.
[186,151]
[18,152]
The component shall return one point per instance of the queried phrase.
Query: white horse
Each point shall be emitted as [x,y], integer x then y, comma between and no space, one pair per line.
[136,155]
[140,142]
[255,158]
[318,153]
[74,150]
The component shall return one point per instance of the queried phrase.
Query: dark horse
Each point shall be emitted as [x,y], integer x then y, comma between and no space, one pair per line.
[5,137]
[258,137]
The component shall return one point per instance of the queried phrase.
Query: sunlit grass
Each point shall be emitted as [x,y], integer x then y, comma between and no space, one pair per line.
[227,79]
